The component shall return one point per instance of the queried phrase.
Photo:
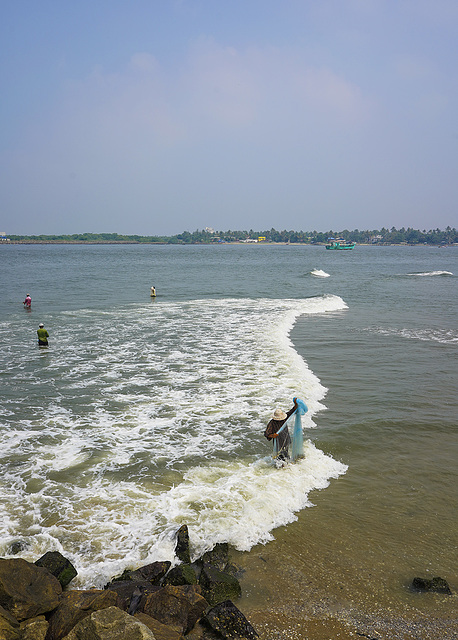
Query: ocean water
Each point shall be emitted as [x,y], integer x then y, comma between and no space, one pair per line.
[144,414]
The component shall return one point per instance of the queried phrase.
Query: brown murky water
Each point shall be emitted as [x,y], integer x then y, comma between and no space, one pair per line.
[344,569]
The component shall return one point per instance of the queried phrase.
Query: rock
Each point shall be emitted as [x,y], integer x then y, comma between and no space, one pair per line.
[110,624]
[233,570]
[228,621]
[6,615]
[438,585]
[9,626]
[176,607]
[182,546]
[27,590]
[218,557]
[7,631]
[197,568]
[160,631]
[135,599]
[34,629]
[74,606]
[182,574]
[218,586]
[152,573]
[202,632]
[126,589]
[60,567]
[17,546]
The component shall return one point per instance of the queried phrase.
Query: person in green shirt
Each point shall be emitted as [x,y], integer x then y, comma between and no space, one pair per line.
[43,336]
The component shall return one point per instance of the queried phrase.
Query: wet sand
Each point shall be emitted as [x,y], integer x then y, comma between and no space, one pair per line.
[314,582]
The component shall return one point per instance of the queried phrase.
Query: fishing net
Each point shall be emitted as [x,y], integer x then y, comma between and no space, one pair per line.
[282,443]
[290,436]
[297,437]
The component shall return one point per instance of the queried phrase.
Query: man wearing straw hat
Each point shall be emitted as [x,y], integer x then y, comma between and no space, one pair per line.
[274,431]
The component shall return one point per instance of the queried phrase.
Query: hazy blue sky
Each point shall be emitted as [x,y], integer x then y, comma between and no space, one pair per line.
[156,116]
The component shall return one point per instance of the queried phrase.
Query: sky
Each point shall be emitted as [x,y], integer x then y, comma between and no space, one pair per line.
[154,117]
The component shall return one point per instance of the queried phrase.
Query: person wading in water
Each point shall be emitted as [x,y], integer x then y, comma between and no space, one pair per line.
[274,431]
[43,336]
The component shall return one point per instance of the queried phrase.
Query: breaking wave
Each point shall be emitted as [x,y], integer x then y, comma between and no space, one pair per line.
[141,419]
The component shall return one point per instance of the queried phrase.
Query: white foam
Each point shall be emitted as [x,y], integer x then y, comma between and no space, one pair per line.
[432,273]
[319,273]
[158,425]
[444,336]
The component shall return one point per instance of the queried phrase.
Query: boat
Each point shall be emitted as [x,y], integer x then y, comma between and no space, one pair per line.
[339,244]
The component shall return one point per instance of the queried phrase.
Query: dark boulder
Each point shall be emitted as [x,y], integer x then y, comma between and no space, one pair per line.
[161,631]
[229,622]
[34,628]
[17,546]
[177,607]
[218,557]
[110,624]
[60,567]
[9,626]
[218,586]
[182,547]
[152,573]
[135,600]
[438,585]
[182,574]
[27,590]
[125,590]
[74,606]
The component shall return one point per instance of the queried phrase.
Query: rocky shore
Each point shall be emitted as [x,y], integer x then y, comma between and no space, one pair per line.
[190,601]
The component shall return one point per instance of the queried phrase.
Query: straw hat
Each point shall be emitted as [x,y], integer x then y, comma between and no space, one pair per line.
[278,414]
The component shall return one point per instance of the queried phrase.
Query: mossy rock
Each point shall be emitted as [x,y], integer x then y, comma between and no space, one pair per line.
[218,586]
[180,575]
[60,567]
[182,547]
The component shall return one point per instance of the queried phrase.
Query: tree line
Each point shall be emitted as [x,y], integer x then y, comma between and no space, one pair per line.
[375,236]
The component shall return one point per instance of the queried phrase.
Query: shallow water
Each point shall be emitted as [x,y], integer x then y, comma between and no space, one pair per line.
[146,414]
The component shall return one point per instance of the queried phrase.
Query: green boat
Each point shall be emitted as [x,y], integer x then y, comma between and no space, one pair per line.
[340,245]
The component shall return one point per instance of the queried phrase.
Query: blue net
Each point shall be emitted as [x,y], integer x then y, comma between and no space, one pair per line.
[297,437]
[289,443]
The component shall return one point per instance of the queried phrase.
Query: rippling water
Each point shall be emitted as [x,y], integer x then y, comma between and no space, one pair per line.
[145,414]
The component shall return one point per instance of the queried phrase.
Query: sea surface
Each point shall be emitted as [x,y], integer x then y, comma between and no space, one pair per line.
[145,414]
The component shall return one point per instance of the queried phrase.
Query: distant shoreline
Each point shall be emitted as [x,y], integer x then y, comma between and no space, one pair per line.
[211,244]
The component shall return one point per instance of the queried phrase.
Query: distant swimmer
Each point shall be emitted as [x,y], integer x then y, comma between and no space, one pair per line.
[27,302]
[43,335]
[153,292]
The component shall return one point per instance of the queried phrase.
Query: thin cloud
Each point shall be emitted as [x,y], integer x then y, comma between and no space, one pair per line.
[338,110]
[217,91]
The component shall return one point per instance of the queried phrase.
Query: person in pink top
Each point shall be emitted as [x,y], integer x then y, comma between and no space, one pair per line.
[28,301]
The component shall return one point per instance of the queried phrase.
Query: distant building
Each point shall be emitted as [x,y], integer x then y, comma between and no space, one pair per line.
[209,230]
[261,238]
